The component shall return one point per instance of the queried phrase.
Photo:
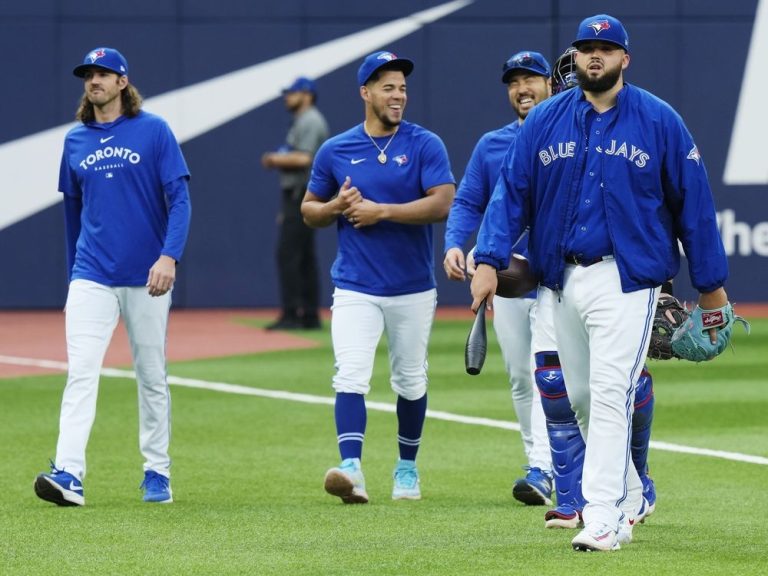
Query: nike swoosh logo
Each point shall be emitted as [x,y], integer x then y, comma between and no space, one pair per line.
[25,183]
[357,160]
[107,139]
[74,487]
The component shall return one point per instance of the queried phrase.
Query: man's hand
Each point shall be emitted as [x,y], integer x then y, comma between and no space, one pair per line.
[347,197]
[713,301]
[483,286]
[267,160]
[365,213]
[161,276]
[471,268]
[453,264]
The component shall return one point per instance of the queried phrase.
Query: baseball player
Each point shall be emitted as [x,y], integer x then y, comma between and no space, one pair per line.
[127,213]
[608,178]
[382,183]
[565,438]
[526,75]
[296,258]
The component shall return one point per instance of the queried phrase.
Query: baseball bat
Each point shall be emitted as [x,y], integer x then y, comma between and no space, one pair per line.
[477,343]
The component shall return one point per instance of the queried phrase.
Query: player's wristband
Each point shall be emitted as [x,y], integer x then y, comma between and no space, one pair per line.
[666,288]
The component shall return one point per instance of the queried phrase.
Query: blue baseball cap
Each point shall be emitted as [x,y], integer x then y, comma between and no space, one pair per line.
[528,61]
[107,58]
[302,84]
[602,27]
[379,59]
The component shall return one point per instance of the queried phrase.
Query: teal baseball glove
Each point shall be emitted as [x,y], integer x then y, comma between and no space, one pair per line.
[691,340]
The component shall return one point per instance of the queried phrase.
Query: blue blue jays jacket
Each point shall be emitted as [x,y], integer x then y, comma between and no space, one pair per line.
[477,185]
[655,191]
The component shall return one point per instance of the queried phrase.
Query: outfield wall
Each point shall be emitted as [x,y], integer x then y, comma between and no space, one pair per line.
[215,70]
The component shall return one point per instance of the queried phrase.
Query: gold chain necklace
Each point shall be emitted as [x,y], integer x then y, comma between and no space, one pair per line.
[382,157]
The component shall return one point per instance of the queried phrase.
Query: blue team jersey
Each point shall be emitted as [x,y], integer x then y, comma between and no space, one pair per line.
[118,171]
[654,192]
[476,187]
[388,258]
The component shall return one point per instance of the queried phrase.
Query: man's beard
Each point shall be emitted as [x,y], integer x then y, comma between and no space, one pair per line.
[385,120]
[598,85]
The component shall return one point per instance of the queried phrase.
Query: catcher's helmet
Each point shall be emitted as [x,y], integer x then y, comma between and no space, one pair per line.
[564,72]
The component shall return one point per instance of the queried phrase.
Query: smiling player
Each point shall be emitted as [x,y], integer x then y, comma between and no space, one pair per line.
[382,183]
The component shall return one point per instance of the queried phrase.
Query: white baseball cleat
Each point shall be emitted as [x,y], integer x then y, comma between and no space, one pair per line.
[596,537]
[564,516]
[347,482]
[627,524]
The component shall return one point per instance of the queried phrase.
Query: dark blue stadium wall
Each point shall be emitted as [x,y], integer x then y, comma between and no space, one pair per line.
[692,53]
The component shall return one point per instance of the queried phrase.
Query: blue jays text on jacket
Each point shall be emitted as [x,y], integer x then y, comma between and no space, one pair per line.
[654,184]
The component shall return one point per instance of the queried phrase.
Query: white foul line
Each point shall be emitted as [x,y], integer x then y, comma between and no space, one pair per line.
[378,406]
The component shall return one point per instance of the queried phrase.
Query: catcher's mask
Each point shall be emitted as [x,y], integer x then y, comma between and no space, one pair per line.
[564,72]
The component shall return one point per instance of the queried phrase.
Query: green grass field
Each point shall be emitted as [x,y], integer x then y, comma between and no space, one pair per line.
[247,477]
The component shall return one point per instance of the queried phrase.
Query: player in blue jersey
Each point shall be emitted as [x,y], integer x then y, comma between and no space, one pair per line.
[527,77]
[382,183]
[608,178]
[565,440]
[127,213]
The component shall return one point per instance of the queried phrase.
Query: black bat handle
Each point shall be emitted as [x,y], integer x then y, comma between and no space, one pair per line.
[477,343]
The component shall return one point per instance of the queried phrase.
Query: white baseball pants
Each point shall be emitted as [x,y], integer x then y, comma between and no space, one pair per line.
[603,335]
[357,324]
[92,313]
[513,321]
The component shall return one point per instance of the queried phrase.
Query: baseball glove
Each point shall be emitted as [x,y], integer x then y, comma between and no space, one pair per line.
[670,315]
[691,340]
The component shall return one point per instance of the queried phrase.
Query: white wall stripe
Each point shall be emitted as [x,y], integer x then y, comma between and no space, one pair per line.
[194,110]
[746,155]
[378,406]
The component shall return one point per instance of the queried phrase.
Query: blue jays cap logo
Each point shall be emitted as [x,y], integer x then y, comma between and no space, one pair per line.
[599,25]
[604,28]
[96,54]
[530,61]
[380,59]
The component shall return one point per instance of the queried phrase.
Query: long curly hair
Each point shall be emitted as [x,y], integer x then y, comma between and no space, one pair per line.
[130,97]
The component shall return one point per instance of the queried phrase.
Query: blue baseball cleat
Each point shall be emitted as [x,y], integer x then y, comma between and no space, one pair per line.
[406,481]
[60,487]
[535,489]
[649,492]
[157,488]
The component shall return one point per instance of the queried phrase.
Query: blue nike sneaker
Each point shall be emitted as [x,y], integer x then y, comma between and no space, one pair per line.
[157,488]
[60,487]
[535,489]
[406,481]
[649,492]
